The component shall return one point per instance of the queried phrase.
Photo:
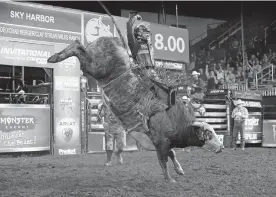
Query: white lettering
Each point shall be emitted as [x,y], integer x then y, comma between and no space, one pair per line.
[67,152]
[15,14]
[25,52]
[40,18]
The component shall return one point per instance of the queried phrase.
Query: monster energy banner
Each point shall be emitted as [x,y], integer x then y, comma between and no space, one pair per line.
[24,128]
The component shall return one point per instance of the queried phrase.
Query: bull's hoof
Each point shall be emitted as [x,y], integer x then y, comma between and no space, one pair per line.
[53,58]
[179,171]
[170,180]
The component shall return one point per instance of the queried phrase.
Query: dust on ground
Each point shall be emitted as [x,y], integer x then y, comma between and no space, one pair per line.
[231,173]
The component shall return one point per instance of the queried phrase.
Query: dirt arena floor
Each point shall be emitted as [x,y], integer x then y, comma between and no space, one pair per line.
[229,174]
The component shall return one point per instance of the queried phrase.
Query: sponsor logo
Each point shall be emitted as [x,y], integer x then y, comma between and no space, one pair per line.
[63,83]
[250,104]
[274,131]
[68,64]
[201,110]
[251,122]
[67,129]
[67,105]
[98,26]
[16,123]
[67,152]
[216,91]
[67,134]
[169,65]
[38,56]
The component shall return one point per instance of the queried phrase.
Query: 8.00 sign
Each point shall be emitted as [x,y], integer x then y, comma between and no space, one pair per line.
[170,43]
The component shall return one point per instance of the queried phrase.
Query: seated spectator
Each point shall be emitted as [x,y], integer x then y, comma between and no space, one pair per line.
[264,60]
[235,43]
[202,75]
[252,60]
[257,67]
[230,76]
[240,75]
[258,56]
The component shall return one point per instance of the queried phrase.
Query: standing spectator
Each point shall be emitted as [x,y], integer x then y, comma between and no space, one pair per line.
[212,79]
[220,75]
[239,114]
[193,62]
[198,87]
[209,58]
[249,74]
[113,132]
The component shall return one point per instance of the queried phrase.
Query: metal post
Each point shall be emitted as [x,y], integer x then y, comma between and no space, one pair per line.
[23,74]
[272,66]
[176,9]
[13,82]
[265,36]
[242,34]
[256,78]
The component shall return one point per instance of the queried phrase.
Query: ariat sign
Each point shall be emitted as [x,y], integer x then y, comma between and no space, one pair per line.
[67,152]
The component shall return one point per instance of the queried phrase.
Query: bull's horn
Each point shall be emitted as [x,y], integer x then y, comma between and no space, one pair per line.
[197,124]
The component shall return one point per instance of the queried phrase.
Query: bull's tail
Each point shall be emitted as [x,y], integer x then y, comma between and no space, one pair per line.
[114,22]
[72,50]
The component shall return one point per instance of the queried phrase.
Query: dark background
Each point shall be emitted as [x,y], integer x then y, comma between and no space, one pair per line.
[206,9]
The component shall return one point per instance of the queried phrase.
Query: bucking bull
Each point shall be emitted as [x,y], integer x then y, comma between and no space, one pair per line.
[131,98]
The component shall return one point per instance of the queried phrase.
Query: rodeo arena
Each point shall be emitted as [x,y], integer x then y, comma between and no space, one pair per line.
[93,104]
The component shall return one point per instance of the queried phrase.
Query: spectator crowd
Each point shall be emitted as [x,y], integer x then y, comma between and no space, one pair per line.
[228,68]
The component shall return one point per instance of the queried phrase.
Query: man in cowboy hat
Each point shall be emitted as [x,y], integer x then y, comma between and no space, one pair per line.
[198,87]
[239,115]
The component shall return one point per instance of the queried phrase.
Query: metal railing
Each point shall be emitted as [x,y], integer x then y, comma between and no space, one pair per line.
[269,75]
[227,33]
[26,98]
[198,38]
[235,86]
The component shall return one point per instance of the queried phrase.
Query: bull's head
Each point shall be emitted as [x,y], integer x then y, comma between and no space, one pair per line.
[206,137]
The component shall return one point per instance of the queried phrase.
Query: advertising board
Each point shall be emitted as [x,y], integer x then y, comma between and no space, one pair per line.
[39,23]
[269,133]
[25,54]
[24,128]
[67,106]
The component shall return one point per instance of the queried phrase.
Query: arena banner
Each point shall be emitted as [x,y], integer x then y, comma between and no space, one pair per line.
[269,133]
[254,122]
[36,22]
[247,95]
[67,106]
[24,128]
[25,54]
